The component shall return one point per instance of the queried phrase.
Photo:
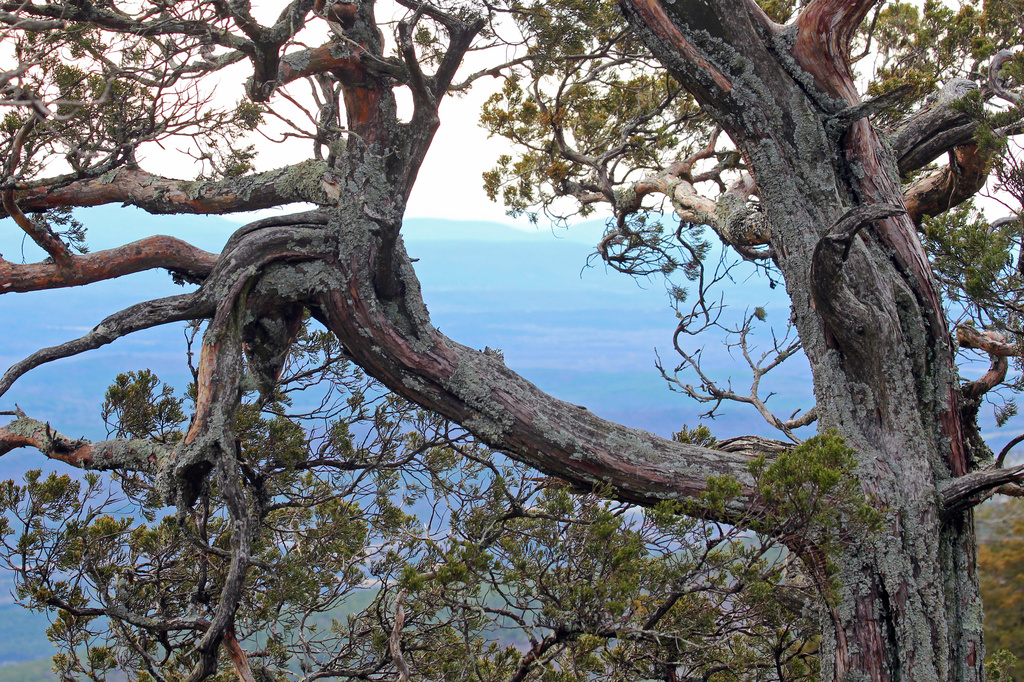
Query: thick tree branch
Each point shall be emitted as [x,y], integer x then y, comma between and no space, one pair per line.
[677,51]
[972,390]
[118,454]
[969,490]
[825,29]
[949,186]
[303,182]
[152,252]
[991,342]
[396,344]
[939,128]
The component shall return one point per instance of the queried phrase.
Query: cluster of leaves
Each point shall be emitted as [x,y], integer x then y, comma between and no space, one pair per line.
[923,45]
[586,108]
[368,507]
[813,497]
[96,97]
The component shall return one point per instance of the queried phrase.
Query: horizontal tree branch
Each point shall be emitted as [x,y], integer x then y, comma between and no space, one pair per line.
[991,342]
[152,252]
[967,491]
[303,182]
[120,454]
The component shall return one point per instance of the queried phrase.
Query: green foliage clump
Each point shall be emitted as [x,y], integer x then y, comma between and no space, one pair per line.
[137,405]
[362,502]
[812,496]
[701,435]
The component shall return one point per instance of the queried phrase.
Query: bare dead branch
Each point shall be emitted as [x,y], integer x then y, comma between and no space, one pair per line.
[753,446]
[991,342]
[968,491]
[395,640]
[134,318]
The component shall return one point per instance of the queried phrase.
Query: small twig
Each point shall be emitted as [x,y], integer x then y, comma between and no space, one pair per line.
[1006,450]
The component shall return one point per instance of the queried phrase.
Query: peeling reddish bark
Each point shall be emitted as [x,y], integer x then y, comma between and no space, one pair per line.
[653,15]
[146,254]
[824,31]
[239,661]
[951,185]
[337,58]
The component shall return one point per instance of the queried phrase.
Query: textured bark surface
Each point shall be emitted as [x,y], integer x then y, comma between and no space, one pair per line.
[836,221]
[909,607]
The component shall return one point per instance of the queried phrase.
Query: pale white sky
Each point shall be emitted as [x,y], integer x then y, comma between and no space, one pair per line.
[449,184]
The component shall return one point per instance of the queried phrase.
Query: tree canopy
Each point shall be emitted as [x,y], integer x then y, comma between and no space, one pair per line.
[804,137]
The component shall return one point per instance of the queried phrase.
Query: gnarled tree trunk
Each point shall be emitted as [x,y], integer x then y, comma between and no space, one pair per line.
[863,301]
[867,312]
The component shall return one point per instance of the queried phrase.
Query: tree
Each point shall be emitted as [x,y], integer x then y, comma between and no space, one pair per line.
[433,556]
[808,186]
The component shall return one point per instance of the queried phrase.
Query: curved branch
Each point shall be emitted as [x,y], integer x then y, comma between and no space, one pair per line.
[951,185]
[118,454]
[395,343]
[995,375]
[995,81]
[1006,450]
[152,252]
[991,342]
[42,236]
[303,182]
[135,318]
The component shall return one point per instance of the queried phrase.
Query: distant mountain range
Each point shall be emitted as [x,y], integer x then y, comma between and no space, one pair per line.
[583,334]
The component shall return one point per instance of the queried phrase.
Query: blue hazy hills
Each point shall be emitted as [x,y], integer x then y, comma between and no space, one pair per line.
[583,334]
